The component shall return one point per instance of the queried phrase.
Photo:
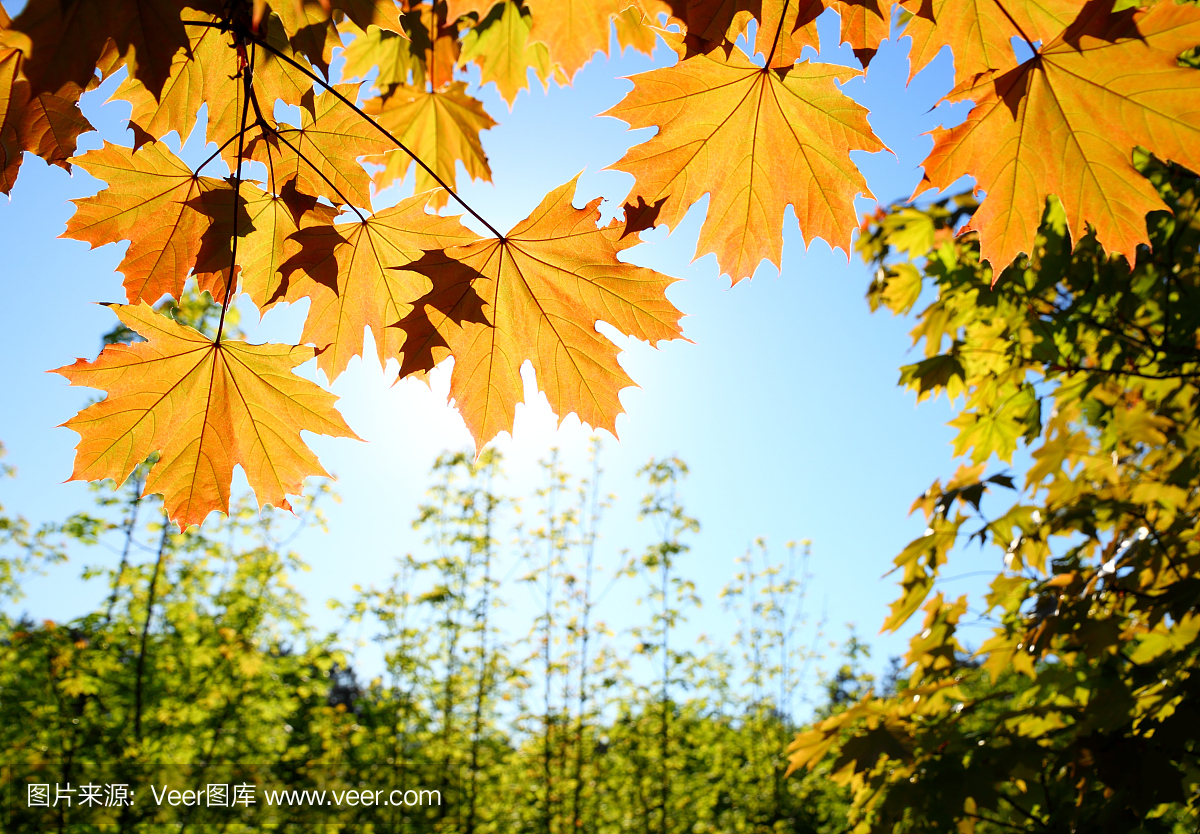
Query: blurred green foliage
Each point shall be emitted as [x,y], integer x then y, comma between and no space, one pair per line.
[199,664]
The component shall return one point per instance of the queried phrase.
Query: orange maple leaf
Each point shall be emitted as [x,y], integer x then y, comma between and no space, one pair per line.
[573,30]
[637,29]
[48,124]
[204,407]
[1066,123]
[981,31]
[757,140]
[537,295]
[346,269]
[166,212]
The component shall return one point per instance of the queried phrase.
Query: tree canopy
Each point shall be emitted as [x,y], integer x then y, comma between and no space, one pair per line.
[1078,712]
[756,130]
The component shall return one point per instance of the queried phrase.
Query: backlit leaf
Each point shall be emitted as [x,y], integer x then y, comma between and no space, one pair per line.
[756,140]
[347,271]
[441,127]
[541,291]
[322,154]
[573,30]
[209,75]
[154,201]
[267,241]
[47,124]
[63,41]
[205,408]
[1034,131]
[500,43]
[981,31]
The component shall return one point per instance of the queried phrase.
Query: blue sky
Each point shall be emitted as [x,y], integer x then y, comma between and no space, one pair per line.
[784,404]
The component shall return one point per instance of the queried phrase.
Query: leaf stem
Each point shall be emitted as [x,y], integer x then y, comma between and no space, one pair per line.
[247,73]
[217,152]
[318,171]
[778,32]
[260,122]
[1016,26]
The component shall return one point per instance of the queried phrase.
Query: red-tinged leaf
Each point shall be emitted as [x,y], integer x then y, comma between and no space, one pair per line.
[63,40]
[48,124]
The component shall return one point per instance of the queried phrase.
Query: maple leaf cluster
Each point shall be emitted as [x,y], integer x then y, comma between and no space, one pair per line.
[756,130]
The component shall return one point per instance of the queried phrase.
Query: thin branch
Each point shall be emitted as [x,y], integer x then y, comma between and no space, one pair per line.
[995,822]
[130,526]
[1116,372]
[209,24]
[141,660]
[330,89]
[260,121]
[1029,816]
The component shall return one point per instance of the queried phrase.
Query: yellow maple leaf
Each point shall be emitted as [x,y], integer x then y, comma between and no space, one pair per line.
[500,43]
[573,30]
[441,127]
[268,238]
[981,31]
[346,269]
[321,154]
[755,139]
[210,75]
